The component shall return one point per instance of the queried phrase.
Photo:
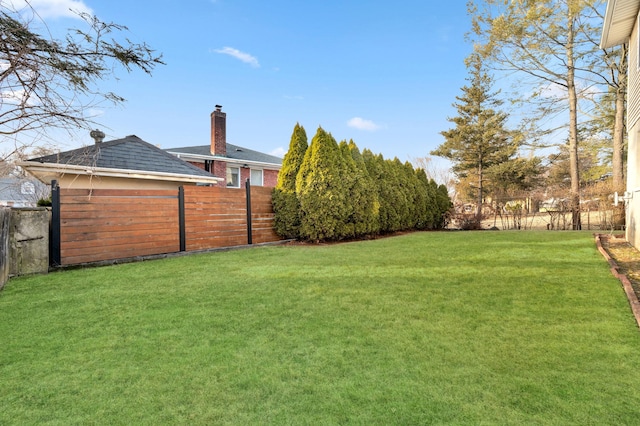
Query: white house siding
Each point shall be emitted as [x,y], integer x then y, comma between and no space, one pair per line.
[633,119]
[633,107]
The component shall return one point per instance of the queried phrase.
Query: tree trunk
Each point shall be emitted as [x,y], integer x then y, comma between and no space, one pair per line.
[618,125]
[479,201]
[573,126]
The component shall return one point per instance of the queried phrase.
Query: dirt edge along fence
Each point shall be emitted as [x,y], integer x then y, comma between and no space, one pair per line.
[98,225]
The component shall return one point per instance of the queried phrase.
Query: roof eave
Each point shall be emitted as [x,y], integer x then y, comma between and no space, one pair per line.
[55,168]
[619,21]
[606,27]
[186,156]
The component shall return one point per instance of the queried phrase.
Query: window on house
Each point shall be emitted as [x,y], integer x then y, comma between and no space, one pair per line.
[256,177]
[233,177]
[27,188]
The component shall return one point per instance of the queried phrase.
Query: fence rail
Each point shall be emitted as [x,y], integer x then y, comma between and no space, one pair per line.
[107,224]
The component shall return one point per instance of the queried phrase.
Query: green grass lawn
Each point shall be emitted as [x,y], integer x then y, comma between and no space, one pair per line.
[426,328]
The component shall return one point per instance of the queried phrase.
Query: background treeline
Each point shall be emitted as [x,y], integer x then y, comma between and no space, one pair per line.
[331,191]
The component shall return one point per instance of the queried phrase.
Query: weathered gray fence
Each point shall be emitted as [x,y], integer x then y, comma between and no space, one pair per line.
[29,241]
[5,215]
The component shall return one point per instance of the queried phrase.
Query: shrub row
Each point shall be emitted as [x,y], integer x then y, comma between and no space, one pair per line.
[331,191]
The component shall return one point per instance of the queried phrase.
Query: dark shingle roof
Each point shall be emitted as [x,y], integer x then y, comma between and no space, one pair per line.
[129,153]
[234,152]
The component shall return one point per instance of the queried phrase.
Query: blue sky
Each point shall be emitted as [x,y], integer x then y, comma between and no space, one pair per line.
[381,73]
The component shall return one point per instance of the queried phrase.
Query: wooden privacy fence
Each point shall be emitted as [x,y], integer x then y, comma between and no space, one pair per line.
[110,224]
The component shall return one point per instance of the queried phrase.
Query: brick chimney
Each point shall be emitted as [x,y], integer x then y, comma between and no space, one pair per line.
[219,132]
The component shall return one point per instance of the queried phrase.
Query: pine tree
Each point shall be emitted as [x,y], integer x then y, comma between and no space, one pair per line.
[555,44]
[285,201]
[479,139]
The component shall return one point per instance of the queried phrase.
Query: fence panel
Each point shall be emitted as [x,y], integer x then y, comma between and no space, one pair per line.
[214,217]
[103,224]
[97,225]
[262,215]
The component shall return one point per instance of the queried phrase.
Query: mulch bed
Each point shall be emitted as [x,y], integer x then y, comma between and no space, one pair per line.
[626,257]
[624,260]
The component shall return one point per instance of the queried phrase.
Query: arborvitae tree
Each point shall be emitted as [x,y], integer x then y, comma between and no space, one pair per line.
[293,159]
[374,166]
[407,190]
[444,204]
[400,194]
[285,201]
[342,193]
[425,201]
[389,194]
[415,196]
[323,197]
[479,139]
[353,189]
[364,196]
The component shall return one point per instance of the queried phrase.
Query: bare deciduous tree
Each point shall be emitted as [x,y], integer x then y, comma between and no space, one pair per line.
[48,84]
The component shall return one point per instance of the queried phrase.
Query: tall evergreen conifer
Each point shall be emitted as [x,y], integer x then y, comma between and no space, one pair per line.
[285,201]
[377,170]
[394,192]
[424,201]
[369,207]
[321,190]
[341,193]
[479,139]
[363,195]
[444,204]
[293,159]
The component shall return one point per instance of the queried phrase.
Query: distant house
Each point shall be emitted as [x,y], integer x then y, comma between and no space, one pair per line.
[233,163]
[621,26]
[127,163]
[18,191]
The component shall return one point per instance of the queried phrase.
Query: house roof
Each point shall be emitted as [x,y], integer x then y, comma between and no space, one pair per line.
[131,153]
[619,20]
[234,153]
[122,157]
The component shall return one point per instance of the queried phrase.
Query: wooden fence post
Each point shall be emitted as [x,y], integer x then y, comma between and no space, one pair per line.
[248,189]
[181,220]
[54,241]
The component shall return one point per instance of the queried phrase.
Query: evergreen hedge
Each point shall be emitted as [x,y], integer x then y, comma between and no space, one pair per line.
[284,198]
[331,191]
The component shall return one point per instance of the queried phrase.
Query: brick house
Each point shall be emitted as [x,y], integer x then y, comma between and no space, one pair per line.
[232,163]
